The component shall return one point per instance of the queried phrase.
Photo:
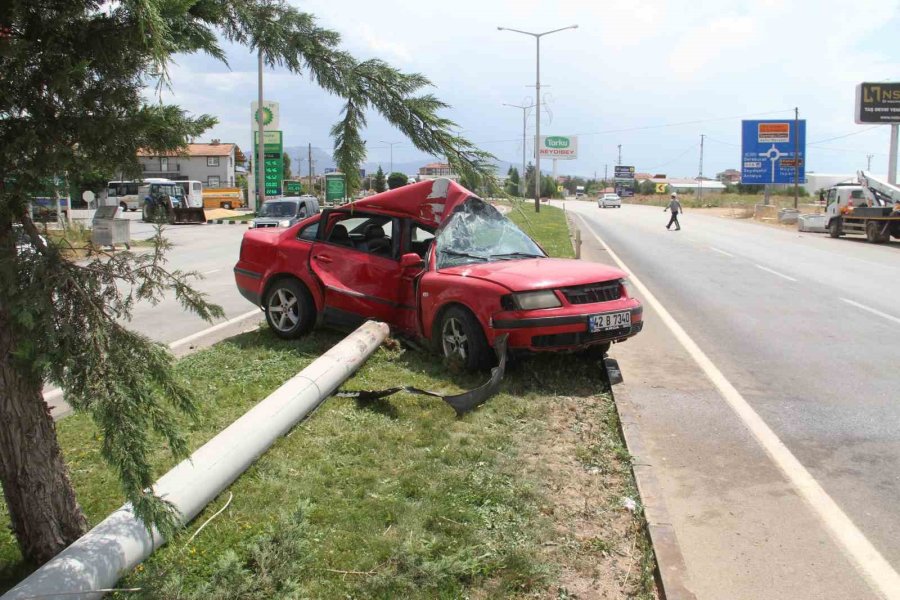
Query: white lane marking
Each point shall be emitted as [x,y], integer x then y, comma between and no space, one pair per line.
[871,310]
[208,272]
[782,275]
[714,249]
[868,561]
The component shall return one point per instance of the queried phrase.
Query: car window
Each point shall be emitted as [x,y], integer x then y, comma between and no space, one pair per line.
[309,232]
[420,239]
[372,233]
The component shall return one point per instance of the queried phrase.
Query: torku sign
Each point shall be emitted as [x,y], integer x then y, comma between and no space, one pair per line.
[563,147]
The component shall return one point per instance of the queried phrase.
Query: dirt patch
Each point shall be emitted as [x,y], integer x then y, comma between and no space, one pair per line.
[583,470]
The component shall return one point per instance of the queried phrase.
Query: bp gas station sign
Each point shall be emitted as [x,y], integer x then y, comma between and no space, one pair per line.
[561,147]
[273,148]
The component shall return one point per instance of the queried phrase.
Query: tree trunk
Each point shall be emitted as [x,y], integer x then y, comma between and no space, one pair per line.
[45,515]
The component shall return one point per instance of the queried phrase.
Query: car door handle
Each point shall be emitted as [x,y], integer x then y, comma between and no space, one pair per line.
[323,258]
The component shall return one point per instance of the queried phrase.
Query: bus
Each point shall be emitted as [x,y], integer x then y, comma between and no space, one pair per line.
[123,194]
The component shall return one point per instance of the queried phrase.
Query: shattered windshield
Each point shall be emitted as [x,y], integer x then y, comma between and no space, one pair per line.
[477,232]
[278,209]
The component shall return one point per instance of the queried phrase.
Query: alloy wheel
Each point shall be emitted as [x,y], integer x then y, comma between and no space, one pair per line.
[454,340]
[284,310]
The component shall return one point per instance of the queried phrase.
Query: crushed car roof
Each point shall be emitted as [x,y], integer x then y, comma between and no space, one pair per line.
[428,201]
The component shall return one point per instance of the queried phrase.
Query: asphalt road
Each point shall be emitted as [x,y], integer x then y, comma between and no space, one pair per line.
[212,251]
[806,329]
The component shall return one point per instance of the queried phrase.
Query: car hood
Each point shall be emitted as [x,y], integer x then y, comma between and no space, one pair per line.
[537,273]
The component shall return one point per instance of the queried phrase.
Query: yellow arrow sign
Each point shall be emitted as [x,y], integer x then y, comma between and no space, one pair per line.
[559,188]
[661,188]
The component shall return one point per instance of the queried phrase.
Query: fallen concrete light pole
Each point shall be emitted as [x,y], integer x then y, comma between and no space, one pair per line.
[120,542]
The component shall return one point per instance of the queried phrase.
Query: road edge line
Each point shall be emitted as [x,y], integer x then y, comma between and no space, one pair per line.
[873,567]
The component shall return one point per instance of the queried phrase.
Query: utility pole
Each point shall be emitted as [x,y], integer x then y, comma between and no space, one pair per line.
[524,144]
[391,145]
[620,155]
[869,158]
[892,157]
[309,155]
[700,177]
[537,95]
[605,173]
[261,148]
[796,155]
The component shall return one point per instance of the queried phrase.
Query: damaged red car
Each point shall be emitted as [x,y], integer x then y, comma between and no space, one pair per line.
[437,264]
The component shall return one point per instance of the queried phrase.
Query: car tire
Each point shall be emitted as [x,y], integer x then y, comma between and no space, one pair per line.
[226,205]
[146,213]
[290,312]
[834,228]
[460,340]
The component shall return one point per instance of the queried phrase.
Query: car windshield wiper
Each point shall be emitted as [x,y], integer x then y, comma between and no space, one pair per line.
[464,254]
[517,255]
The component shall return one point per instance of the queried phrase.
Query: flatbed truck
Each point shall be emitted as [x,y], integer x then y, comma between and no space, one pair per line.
[870,207]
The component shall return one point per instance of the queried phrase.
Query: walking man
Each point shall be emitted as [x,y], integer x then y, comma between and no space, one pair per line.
[675,207]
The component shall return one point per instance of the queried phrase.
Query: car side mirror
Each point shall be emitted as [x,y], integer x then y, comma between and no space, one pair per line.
[408,261]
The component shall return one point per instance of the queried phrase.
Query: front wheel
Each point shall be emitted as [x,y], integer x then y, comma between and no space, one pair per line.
[834,228]
[290,311]
[461,340]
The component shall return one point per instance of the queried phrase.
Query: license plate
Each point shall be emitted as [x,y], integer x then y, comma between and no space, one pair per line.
[609,321]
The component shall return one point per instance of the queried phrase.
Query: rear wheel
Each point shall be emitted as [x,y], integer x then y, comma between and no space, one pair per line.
[226,205]
[147,213]
[834,228]
[461,340]
[874,234]
[290,311]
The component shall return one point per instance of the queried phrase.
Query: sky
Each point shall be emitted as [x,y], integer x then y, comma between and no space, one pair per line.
[649,75]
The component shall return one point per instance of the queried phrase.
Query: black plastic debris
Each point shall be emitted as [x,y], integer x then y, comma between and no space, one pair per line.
[461,403]
[613,372]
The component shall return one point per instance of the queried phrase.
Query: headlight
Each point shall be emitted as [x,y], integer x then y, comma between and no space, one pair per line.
[253,224]
[284,223]
[629,289]
[533,300]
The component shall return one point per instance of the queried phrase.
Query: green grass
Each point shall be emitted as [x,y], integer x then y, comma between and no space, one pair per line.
[548,227]
[714,199]
[397,498]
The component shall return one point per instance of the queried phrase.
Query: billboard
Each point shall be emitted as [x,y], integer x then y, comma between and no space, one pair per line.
[335,187]
[292,188]
[768,153]
[271,115]
[878,103]
[562,147]
[623,172]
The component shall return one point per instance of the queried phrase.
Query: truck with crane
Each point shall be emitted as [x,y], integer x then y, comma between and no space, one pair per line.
[870,207]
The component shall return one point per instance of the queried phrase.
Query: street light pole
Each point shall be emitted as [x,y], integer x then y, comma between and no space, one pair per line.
[537,85]
[391,144]
[524,117]
[260,150]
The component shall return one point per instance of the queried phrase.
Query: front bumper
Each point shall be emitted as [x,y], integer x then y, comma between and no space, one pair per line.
[563,332]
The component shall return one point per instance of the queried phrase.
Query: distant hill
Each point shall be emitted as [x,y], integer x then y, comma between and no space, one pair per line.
[323,160]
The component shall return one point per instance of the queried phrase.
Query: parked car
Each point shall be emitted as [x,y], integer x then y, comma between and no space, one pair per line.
[437,264]
[609,201]
[284,212]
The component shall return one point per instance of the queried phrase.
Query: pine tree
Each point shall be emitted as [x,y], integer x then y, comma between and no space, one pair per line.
[380,180]
[72,101]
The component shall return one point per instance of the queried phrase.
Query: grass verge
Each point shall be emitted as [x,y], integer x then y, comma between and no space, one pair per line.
[524,498]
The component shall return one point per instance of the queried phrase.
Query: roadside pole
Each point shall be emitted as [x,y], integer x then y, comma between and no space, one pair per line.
[260,149]
[796,155]
[892,157]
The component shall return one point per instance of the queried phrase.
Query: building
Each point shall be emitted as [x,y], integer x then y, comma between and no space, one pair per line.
[729,176]
[212,164]
[435,170]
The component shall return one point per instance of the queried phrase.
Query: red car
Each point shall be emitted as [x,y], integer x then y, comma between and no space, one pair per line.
[438,264]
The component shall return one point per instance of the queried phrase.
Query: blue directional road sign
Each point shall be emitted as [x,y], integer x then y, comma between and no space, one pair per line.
[767,152]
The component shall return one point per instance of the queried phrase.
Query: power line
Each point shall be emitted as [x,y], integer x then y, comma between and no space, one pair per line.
[668,162]
[838,137]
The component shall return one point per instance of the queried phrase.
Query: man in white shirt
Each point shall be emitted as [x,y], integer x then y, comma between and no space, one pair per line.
[675,207]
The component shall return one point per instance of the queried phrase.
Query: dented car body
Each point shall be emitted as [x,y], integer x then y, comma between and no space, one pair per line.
[438,264]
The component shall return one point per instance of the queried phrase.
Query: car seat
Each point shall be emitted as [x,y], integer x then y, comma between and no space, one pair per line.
[375,241]
[340,236]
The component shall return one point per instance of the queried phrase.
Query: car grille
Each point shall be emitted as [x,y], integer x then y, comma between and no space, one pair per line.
[594,292]
[258,225]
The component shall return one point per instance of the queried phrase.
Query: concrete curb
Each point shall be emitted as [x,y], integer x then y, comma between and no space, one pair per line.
[226,222]
[671,575]
[59,409]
